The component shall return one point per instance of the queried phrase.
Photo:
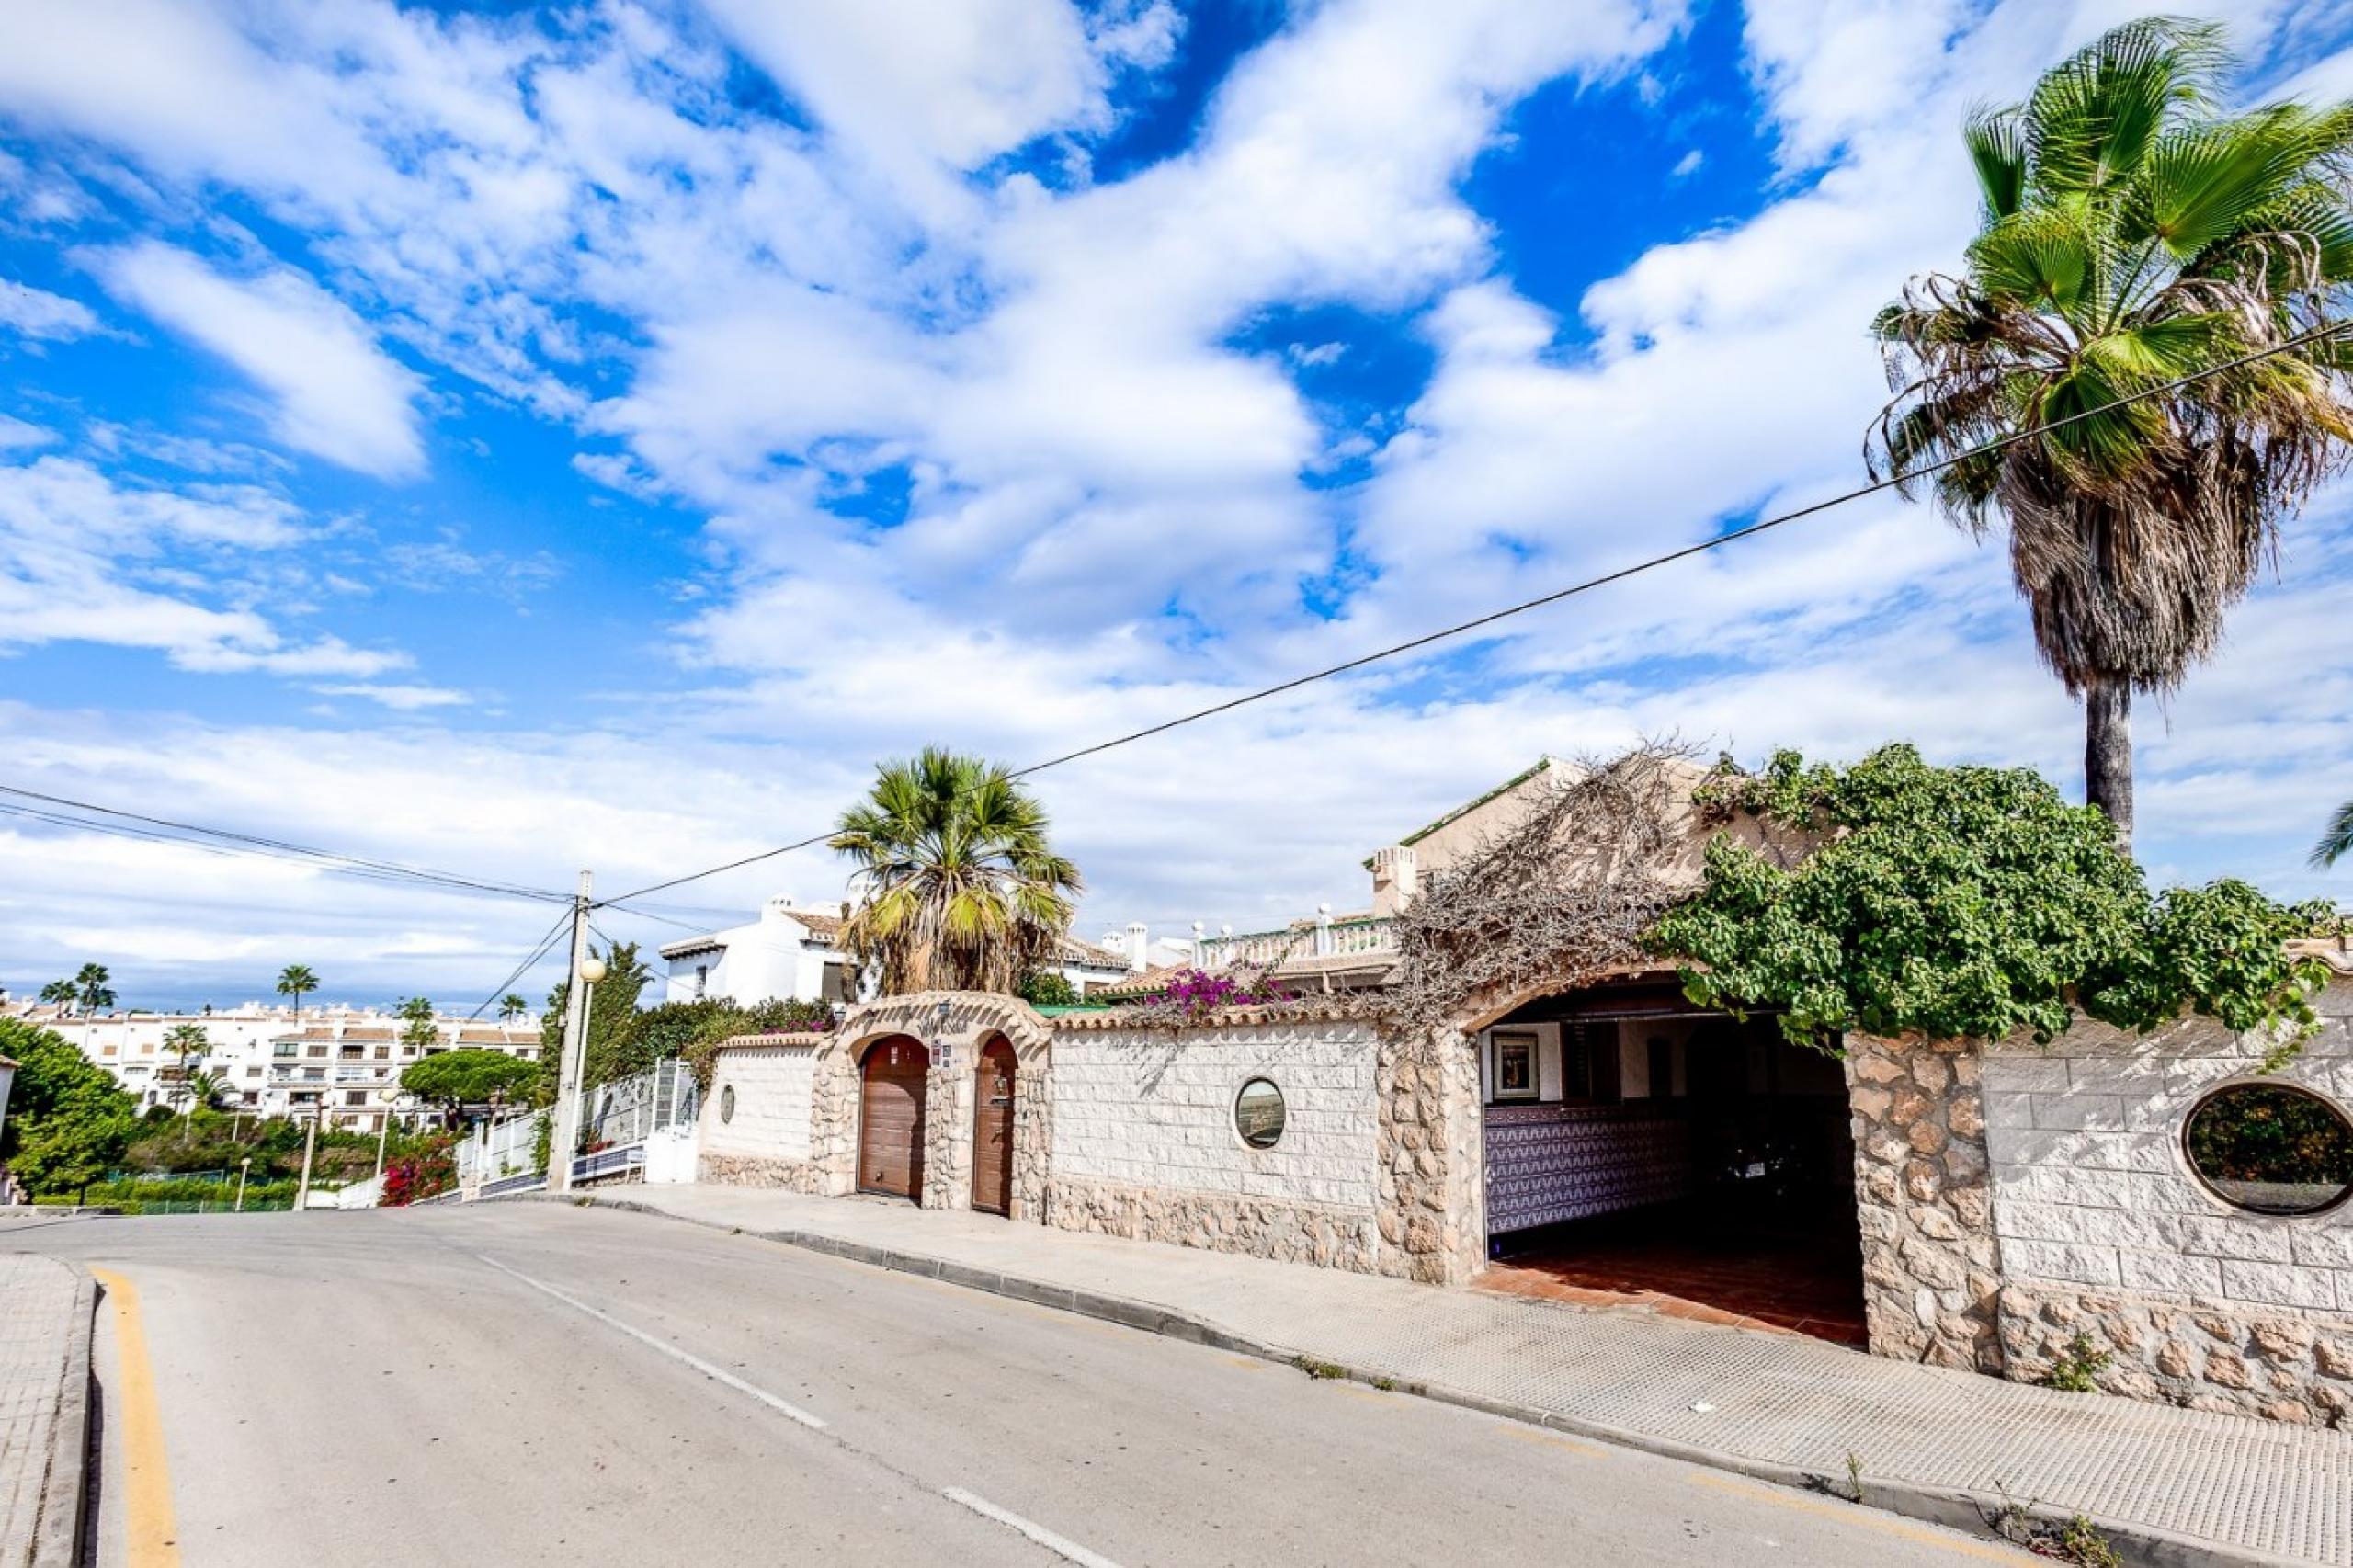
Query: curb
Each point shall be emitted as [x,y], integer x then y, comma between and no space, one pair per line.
[64,1496]
[1975,1513]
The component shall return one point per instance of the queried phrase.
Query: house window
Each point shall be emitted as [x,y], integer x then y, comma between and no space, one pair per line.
[1515,1065]
[1589,1060]
[254,1072]
[284,1047]
[702,979]
[107,1050]
[315,1051]
[383,1051]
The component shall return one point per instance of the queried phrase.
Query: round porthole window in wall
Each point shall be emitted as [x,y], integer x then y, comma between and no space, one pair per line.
[2270,1148]
[1258,1113]
[727,1103]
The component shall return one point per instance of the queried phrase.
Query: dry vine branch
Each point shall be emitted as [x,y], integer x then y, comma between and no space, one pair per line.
[1557,900]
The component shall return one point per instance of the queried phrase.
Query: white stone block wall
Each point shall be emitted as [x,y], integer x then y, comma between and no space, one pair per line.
[1151,1108]
[773,1101]
[2092,1186]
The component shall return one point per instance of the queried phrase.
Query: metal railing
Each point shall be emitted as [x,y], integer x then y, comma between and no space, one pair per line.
[615,1119]
[1319,937]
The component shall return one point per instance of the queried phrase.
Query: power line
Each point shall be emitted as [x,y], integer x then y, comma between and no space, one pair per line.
[1589,584]
[274,849]
[500,990]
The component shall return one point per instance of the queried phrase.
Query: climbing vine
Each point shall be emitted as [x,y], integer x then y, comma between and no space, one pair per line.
[1967,902]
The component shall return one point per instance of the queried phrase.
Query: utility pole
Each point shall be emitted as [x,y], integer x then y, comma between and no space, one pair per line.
[566,1137]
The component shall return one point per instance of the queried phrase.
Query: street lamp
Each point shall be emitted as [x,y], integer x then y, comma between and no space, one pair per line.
[243,1167]
[386,1094]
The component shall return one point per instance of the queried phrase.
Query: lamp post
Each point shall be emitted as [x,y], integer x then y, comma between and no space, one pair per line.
[243,1167]
[386,1094]
[310,1143]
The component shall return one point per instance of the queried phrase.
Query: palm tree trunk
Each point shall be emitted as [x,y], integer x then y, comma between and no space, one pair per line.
[2108,754]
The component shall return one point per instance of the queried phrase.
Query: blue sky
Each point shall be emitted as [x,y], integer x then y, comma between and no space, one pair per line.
[515,439]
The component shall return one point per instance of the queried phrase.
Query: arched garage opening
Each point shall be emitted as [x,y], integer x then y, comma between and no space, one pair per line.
[891,1113]
[1637,1145]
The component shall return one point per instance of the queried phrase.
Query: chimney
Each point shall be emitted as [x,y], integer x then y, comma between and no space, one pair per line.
[1394,878]
[1139,945]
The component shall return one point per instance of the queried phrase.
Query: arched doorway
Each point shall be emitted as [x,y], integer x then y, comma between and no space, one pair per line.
[993,1129]
[890,1131]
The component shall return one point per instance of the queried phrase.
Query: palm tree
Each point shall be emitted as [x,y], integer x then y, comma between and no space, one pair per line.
[297,980]
[419,1026]
[61,992]
[958,887]
[2336,841]
[2131,235]
[91,992]
[183,1040]
[511,1008]
[194,1089]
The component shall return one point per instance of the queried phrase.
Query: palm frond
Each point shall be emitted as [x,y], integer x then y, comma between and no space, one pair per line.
[2335,840]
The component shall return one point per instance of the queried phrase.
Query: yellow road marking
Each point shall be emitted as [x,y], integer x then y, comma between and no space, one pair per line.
[1856,1513]
[1554,1440]
[150,1537]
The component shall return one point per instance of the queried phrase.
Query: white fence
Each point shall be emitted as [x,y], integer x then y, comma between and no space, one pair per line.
[615,1119]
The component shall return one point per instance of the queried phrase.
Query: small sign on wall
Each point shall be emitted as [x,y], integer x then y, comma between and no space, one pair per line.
[943,1053]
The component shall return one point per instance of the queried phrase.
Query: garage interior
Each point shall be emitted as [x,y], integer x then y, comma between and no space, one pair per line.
[1642,1150]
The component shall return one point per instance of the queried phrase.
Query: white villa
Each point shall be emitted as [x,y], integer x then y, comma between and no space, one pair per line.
[1970,1203]
[791,953]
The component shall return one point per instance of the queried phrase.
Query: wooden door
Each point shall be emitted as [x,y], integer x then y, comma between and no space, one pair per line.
[993,1130]
[890,1134]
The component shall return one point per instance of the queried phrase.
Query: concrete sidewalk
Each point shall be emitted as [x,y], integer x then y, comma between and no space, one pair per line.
[2170,1486]
[46,1310]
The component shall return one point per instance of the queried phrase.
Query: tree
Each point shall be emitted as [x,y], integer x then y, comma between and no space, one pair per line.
[2335,840]
[1047,988]
[59,991]
[511,1008]
[612,1012]
[958,887]
[91,993]
[2132,237]
[200,1089]
[1966,902]
[183,1040]
[457,1079]
[68,1122]
[419,1028]
[297,980]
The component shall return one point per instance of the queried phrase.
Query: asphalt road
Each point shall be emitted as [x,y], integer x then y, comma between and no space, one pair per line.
[519,1384]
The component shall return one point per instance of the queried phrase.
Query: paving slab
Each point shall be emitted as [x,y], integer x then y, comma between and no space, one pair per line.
[2172,1486]
[46,1310]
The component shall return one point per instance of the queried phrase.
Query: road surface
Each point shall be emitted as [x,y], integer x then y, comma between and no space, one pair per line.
[529,1383]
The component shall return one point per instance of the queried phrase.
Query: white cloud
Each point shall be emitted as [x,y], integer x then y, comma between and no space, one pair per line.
[336,393]
[1107,520]
[43,316]
[403,699]
[16,433]
[84,558]
[1687,164]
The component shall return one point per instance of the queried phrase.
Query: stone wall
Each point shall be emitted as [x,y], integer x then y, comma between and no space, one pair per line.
[1033,1144]
[1931,1262]
[1140,1141]
[2105,1233]
[948,1095]
[1430,1143]
[795,1115]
